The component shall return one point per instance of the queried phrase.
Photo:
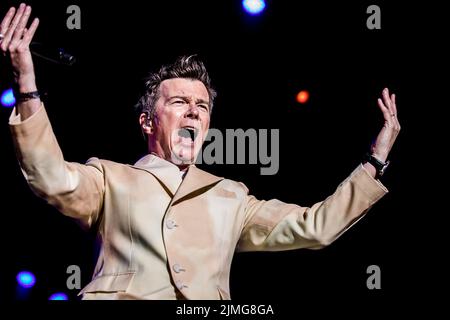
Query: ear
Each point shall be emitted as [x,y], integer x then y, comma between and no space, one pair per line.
[145,123]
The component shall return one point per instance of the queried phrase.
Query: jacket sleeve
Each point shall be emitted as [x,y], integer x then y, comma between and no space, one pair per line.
[75,189]
[275,226]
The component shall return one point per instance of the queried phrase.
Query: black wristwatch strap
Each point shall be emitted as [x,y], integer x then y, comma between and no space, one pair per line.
[379,165]
[25,96]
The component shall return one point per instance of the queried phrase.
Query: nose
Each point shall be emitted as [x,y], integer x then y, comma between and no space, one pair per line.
[192,112]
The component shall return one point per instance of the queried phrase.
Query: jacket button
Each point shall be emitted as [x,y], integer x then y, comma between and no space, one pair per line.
[177,268]
[170,224]
[180,285]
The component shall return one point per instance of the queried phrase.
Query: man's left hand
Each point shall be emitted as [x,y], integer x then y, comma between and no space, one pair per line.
[388,134]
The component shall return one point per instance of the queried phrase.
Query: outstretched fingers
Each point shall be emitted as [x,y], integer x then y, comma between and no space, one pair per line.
[28,34]
[389,109]
[18,33]
[12,27]
[384,109]
[7,20]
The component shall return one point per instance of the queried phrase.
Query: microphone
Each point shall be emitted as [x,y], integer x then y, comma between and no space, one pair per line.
[55,55]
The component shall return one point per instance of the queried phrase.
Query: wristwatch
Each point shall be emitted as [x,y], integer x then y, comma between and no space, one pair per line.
[379,165]
[25,96]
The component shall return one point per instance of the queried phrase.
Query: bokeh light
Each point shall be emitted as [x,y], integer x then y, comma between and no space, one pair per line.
[254,6]
[302,96]
[58,296]
[26,279]
[7,99]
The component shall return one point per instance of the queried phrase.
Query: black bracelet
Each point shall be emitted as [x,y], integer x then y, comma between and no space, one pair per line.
[379,165]
[25,96]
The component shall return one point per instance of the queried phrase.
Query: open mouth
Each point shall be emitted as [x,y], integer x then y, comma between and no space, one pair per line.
[188,133]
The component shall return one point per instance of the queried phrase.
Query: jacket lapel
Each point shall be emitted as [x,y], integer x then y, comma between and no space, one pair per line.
[165,172]
[196,182]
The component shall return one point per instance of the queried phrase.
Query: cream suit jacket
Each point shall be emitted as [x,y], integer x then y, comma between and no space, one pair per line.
[168,238]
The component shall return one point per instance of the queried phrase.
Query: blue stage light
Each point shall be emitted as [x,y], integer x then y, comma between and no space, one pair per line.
[26,279]
[254,6]
[8,99]
[58,296]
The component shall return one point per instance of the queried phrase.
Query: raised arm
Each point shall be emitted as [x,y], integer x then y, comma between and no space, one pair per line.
[274,225]
[76,190]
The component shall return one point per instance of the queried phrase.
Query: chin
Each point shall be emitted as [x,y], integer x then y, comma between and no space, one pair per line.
[183,156]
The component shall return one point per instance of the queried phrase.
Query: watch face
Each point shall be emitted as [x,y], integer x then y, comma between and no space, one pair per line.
[380,166]
[384,168]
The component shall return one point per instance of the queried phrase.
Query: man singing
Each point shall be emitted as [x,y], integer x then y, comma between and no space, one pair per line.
[169,230]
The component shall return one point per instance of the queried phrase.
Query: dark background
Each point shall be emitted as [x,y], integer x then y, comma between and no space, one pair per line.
[257,65]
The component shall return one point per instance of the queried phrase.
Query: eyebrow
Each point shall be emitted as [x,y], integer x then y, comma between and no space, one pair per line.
[186,98]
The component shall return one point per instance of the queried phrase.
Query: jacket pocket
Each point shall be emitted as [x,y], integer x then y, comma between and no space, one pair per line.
[109,283]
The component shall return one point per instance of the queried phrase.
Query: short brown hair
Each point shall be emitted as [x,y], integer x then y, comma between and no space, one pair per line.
[188,67]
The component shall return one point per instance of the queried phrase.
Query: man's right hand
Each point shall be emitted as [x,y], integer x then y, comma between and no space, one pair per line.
[15,42]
